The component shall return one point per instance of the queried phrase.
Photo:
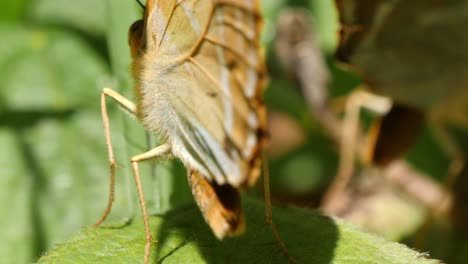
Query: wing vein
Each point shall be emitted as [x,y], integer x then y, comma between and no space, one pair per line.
[205,72]
[210,76]
[249,36]
[250,9]
[233,51]
[174,7]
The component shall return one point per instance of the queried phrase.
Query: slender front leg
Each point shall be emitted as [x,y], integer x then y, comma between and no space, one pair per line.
[268,211]
[160,151]
[350,135]
[130,108]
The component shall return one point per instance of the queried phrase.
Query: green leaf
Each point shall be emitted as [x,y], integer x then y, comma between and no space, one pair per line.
[53,161]
[325,24]
[11,10]
[181,236]
[18,238]
[47,70]
[87,16]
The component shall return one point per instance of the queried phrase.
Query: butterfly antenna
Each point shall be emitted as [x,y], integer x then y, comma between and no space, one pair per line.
[142,5]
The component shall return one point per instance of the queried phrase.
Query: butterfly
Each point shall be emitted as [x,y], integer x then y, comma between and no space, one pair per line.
[413,53]
[199,77]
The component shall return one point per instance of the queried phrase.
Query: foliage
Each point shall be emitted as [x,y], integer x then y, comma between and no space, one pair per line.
[55,57]
[183,236]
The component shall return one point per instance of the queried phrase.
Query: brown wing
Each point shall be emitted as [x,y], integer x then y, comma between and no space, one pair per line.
[393,134]
[356,18]
[219,204]
[412,51]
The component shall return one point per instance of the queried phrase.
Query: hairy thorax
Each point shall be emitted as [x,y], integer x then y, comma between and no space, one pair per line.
[154,92]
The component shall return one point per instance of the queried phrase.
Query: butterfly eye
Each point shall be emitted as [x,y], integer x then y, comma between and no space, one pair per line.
[135,33]
[135,30]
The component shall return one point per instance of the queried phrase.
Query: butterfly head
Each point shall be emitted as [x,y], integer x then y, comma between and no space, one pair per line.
[135,37]
[137,31]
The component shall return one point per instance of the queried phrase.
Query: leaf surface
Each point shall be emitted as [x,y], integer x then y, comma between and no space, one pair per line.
[181,236]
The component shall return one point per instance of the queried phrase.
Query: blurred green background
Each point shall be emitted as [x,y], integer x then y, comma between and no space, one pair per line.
[56,56]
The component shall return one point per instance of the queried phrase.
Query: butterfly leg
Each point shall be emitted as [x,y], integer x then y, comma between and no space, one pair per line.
[268,211]
[160,151]
[349,139]
[130,108]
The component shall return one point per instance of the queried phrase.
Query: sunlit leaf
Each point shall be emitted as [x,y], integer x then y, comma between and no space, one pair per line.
[181,236]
